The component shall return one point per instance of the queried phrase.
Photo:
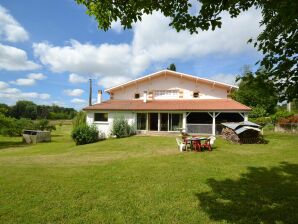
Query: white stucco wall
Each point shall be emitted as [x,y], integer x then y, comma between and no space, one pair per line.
[207,91]
[105,127]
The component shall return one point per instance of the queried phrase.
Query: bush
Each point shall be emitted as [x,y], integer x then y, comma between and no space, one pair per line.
[14,127]
[84,134]
[121,128]
[281,114]
[43,124]
[261,120]
[79,119]
[257,111]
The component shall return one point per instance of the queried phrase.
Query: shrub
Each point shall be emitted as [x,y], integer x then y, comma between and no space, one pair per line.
[257,111]
[281,114]
[84,134]
[261,120]
[288,120]
[121,128]
[14,127]
[79,119]
[43,124]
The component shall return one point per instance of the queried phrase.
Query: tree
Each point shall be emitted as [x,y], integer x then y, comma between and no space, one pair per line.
[172,67]
[24,109]
[257,91]
[277,42]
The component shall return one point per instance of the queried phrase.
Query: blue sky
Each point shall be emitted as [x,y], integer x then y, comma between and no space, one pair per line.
[49,50]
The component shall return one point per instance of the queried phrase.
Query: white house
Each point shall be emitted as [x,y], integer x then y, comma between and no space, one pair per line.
[168,101]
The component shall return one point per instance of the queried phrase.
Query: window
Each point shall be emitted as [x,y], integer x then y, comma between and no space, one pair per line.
[103,117]
[195,94]
[166,93]
[141,121]
[137,96]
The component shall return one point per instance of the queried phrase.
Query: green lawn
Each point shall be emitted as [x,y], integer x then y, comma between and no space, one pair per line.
[146,180]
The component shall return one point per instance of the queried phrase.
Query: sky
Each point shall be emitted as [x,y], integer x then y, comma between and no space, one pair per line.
[50,49]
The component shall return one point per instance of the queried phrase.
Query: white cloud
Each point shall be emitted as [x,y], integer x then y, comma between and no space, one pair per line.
[112,81]
[153,42]
[37,76]
[78,101]
[74,92]
[3,85]
[86,58]
[10,29]
[116,26]
[225,78]
[11,95]
[24,82]
[14,59]
[74,78]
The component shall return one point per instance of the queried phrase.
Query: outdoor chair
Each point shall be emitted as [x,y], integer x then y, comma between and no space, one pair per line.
[208,144]
[197,145]
[180,144]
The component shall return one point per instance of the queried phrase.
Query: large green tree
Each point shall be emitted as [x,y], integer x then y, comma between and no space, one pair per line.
[277,42]
[257,91]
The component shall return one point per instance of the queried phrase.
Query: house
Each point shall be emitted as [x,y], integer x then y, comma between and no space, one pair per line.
[168,101]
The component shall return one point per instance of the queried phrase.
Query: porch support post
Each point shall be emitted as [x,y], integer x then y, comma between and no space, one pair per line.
[184,121]
[213,123]
[158,122]
[245,116]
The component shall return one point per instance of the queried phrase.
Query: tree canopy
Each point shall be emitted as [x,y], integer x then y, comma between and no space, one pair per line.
[277,42]
[28,109]
[172,67]
[258,92]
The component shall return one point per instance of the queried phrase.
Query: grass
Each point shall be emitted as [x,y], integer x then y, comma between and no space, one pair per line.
[146,180]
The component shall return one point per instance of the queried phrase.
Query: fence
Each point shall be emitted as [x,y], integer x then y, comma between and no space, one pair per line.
[199,128]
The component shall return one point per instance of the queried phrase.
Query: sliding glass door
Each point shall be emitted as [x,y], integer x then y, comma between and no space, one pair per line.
[175,122]
[142,121]
[167,121]
[164,121]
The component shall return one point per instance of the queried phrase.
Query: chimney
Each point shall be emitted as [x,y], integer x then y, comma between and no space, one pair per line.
[90,92]
[145,97]
[99,96]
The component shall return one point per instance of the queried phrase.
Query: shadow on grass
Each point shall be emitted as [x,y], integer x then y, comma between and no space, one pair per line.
[260,196]
[9,144]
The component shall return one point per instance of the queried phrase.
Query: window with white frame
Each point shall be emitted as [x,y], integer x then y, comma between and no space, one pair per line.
[173,93]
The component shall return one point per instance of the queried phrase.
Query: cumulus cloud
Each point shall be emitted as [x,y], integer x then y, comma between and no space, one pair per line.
[24,82]
[8,94]
[153,42]
[116,26]
[37,76]
[74,78]
[225,78]
[107,59]
[78,101]
[15,59]
[3,85]
[74,92]
[10,29]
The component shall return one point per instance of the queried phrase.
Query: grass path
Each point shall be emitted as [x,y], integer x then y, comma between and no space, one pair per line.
[146,180]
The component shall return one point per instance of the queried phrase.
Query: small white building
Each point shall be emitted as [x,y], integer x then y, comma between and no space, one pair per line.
[168,101]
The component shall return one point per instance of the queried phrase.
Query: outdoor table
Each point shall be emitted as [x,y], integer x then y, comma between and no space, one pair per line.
[195,139]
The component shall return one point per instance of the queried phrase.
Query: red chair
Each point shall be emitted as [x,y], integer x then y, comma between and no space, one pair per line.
[207,145]
[197,145]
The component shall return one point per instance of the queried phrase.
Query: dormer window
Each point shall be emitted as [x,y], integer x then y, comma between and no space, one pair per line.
[137,96]
[196,94]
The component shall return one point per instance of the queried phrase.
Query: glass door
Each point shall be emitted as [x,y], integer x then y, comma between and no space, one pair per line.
[153,121]
[164,121]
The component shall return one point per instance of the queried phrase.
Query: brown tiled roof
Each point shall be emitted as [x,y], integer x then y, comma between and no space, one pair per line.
[170,105]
